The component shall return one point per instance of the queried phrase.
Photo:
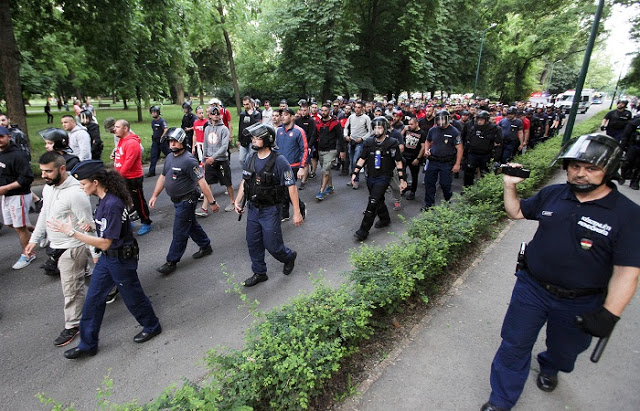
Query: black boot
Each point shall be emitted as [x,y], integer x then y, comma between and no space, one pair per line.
[635,178]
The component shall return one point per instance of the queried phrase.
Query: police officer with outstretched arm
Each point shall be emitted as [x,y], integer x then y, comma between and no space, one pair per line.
[582,262]
[266,175]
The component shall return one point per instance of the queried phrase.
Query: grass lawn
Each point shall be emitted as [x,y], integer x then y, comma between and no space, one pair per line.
[38,121]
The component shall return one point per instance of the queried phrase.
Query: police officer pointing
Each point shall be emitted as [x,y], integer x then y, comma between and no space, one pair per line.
[266,175]
[582,261]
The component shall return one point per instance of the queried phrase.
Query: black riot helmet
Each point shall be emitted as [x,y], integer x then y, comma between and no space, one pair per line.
[625,102]
[483,114]
[512,110]
[597,149]
[155,109]
[264,132]
[528,111]
[442,118]
[86,117]
[382,122]
[186,105]
[58,136]
[465,113]
[175,133]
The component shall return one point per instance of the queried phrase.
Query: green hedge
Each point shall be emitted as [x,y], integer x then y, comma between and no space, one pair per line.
[291,354]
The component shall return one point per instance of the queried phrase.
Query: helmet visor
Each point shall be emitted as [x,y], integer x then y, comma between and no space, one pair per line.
[596,149]
[175,133]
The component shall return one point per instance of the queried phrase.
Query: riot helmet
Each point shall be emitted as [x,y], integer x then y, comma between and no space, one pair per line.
[86,117]
[442,118]
[186,105]
[464,113]
[378,122]
[625,102]
[177,134]
[483,114]
[154,109]
[58,136]
[264,132]
[597,149]
[512,110]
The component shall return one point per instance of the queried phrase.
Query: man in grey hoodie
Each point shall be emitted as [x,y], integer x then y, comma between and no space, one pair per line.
[64,200]
[216,161]
[79,138]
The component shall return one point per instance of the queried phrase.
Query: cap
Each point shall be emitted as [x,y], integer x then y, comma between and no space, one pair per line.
[290,111]
[86,169]
[4,131]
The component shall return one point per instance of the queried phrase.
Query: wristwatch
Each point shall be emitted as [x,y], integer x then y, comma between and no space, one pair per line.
[214,202]
[72,232]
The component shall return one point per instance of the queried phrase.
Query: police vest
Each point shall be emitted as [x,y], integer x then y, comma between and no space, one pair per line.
[385,163]
[482,139]
[263,189]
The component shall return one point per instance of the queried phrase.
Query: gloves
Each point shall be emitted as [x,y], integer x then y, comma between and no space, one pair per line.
[599,323]
[602,128]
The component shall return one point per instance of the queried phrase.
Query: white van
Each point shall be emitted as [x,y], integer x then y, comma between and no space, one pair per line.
[565,100]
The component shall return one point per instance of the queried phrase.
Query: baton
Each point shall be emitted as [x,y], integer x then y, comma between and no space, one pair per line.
[244,201]
[600,345]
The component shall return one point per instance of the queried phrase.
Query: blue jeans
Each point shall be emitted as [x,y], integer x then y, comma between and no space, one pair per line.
[156,148]
[354,155]
[185,225]
[435,170]
[108,272]
[530,308]
[264,231]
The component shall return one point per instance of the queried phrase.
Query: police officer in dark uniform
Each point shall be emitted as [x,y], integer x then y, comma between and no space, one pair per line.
[536,132]
[382,155]
[582,262]
[265,177]
[187,123]
[552,122]
[442,148]
[56,139]
[631,146]
[118,261]
[182,176]
[484,143]
[616,120]
[512,135]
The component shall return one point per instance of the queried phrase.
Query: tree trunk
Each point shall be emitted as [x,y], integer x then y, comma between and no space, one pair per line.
[10,62]
[139,100]
[232,64]
[179,93]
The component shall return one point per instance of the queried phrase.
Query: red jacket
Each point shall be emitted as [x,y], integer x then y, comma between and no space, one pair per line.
[128,157]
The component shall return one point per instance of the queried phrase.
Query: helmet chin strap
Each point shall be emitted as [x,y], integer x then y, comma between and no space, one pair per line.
[584,188]
[176,150]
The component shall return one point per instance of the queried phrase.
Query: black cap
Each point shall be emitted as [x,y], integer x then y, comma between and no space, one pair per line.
[289,110]
[86,169]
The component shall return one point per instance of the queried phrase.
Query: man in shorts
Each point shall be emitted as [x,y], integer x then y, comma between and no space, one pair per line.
[216,162]
[15,188]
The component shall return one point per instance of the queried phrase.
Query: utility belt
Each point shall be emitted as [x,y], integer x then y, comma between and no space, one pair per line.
[189,196]
[479,153]
[554,289]
[128,251]
[260,206]
[445,159]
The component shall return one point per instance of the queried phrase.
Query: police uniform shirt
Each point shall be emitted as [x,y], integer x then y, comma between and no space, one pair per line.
[281,168]
[412,140]
[389,155]
[157,126]
[577,244]
[181,174]
[510,128]
[112,221]
[482,139]
[443,141]
[617,119]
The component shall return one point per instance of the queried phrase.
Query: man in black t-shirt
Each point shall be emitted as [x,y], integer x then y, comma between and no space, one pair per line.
[616,120]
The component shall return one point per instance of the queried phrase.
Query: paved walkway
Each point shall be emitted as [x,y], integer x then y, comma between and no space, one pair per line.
[445,364]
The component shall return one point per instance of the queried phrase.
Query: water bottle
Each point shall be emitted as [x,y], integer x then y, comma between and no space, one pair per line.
[378,158]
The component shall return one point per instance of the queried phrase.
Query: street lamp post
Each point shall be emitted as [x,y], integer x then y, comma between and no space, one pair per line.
[484,33]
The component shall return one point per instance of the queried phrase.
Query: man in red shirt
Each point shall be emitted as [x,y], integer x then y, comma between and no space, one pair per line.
[128,162]
[198,128]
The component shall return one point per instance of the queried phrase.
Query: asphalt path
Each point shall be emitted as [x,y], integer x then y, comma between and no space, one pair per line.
[194,306]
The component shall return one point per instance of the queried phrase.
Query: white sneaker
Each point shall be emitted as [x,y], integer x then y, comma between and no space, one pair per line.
[201,212]
[23,261]
[230,207]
